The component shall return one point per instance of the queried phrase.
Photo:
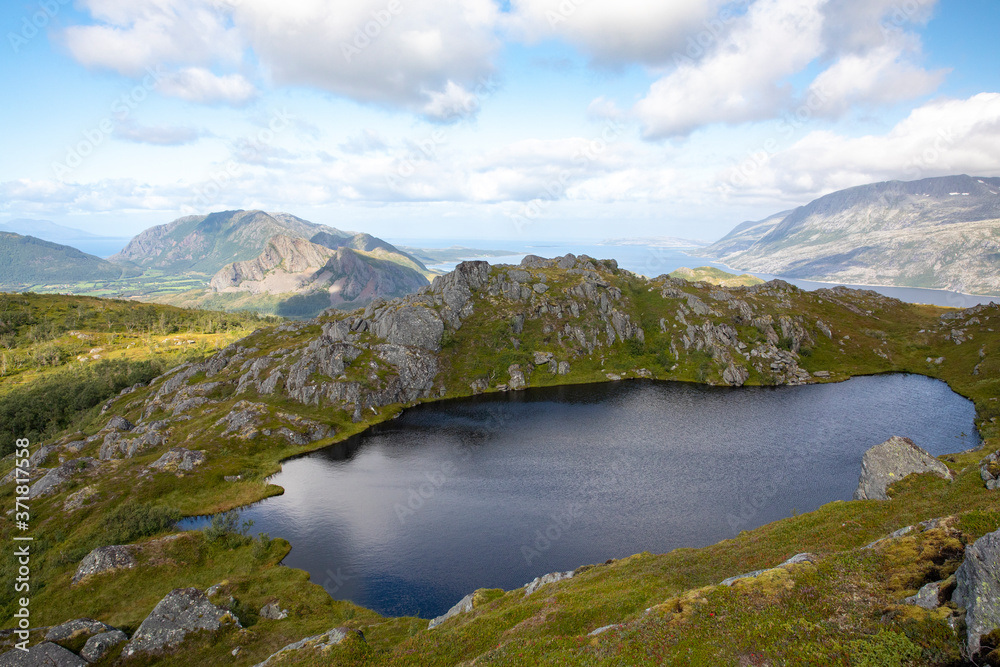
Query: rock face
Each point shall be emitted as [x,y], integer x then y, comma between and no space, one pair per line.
[977,588]
[890,462]
[182,611]
[105,559]
[550,578]
[100,645]
[46,653]
[463,606]
[316,642]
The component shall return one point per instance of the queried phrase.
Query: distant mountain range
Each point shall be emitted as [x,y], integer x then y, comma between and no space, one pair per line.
[939,233]
[272,262]
[44,229]
[26,261]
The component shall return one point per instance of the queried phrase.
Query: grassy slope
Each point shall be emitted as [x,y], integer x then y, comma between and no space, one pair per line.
[716,276]
[810,617]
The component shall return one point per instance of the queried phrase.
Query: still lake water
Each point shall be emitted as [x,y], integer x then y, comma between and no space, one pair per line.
[492,491]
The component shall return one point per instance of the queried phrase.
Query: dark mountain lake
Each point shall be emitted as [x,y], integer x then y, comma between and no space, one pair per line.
[412,514]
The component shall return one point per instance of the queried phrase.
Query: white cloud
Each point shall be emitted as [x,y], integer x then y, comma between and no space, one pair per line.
[159,135]
[135,34]
[622,31]
[422,55]
[419,54]
[196,84]
[940,138]
[740,80]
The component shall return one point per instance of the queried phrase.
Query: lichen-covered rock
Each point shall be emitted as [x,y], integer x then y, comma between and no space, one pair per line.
[119,424]
[329,638]
[76,628]
[977,588]
[797,559]
[989,470]
[928,596]
[517,380]
[178,459]
[415,326]
[242,421]
[890,462]
[735,376]
[273,612]
[59,475]
[101,644]
[550,578]
[105,559]
[182,611]
[46,653]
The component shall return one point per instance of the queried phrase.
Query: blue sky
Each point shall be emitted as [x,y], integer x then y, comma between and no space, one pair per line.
[533,119]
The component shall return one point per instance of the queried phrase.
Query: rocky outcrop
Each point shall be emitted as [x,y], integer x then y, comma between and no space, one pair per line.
[181,612]
[797,559]
[179,459]
[59,475]
[890,462]
[550,578]
[105,559]
[46,653]
[977,588]
[463,606]
[989,470]
[329,638]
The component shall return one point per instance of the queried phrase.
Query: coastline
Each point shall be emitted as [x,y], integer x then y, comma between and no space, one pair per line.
[995,297]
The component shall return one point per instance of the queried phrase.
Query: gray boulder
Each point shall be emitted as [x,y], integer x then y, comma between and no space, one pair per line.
[178,459]
[735,376]
[463,606]
[76,628]
[119,424]
[550,578]
[977,588]
[46,653]
[100,645]
[989,470]
[273,612]
[891,461]
[928,597]
[59,475]
[331,637]
[182,611]
[105,559]
[517,380]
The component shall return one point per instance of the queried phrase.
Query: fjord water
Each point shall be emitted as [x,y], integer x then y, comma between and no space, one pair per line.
[492,491]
